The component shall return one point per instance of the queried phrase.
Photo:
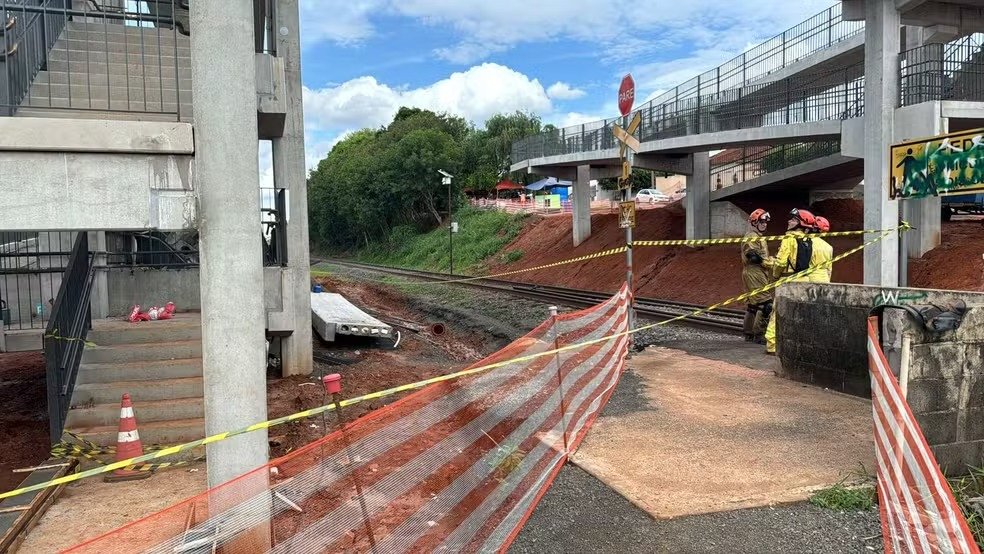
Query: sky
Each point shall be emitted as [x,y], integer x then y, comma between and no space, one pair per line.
[561,59]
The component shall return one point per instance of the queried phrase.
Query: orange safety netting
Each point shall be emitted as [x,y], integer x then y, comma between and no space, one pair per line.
[456,466]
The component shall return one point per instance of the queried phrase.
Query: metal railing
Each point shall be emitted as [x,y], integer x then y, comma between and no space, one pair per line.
[64,337]
[132,58]
[31,268]
[755,161]
[28,37]
[273,207]
[953,71]
[837,94]
[149,249]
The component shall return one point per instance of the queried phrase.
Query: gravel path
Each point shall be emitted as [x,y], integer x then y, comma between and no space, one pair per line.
[580,514]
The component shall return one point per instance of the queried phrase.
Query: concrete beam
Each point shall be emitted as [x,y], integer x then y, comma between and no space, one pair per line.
[290,172]
[852,10]
[966,19]
[671,163]
[882,41]
[698,201]
[223,70]
[581,218]
[104,136]
[78,191]
[271,96]
[955,109]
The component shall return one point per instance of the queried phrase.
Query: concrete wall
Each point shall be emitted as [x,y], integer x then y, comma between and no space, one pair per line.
[728,220]
[152,287]
[822,340]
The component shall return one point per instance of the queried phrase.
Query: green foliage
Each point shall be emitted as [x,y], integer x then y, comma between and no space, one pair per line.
[845,499]
[969,493]
[641,179]
[512,256]
[482,234]
[377,181]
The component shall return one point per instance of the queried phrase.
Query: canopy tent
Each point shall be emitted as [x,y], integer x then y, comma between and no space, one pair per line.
[548,183]
[506,184]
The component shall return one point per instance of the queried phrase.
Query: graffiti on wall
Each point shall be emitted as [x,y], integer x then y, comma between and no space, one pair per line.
[947,164]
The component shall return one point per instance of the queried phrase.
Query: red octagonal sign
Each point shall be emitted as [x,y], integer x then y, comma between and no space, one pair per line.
[626,95]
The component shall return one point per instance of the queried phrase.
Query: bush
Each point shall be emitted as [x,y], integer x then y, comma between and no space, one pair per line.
[512,256]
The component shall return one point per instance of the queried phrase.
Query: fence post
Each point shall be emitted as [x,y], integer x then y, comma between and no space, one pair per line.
[560,377]
[830,26]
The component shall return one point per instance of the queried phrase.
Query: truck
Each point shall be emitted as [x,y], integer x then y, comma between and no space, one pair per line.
[963,204]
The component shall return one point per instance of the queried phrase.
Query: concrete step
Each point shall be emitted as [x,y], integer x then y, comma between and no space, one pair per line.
[139,391]
[147,412]
[139,371]
[168,108]
[124,332]
[82,92]
[132,56]
[150,46]
[27,110]
[142,352]
[155,432]
[134,68]
[101,79]
[118,33]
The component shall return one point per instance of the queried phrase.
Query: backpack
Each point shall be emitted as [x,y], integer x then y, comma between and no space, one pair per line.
[804,253]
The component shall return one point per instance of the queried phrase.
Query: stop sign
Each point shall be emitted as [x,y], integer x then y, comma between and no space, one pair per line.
[626,94]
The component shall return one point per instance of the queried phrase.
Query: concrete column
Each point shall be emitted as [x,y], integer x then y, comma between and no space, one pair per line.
[99,297]
[881,66]
[698,201]
[227,177]
[582,204]
[289,172]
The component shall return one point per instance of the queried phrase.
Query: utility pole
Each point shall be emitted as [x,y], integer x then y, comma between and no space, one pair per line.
[446,180]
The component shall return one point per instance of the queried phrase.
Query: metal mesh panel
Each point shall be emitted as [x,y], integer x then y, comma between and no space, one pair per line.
[457,466]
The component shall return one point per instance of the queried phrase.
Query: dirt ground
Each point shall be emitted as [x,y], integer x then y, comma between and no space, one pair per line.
[92,507]
[710,274]
[701,436]
[24,418]
[371,365]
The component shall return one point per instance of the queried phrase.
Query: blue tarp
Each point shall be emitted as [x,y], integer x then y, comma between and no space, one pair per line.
[548,183]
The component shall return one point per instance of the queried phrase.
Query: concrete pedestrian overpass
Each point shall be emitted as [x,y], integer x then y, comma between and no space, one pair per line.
[815,109]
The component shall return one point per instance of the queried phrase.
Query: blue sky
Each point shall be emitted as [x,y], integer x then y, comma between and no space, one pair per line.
[562,59]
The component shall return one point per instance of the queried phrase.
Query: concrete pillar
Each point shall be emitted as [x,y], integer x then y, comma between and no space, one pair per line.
[881,66]
[698,200]
[582,204]
[99,297]
[227,176]
[289,172]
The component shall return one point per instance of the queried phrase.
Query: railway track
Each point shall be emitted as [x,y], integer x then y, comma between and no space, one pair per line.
[649,308]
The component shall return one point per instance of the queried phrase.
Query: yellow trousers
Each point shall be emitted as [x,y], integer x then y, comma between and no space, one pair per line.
[770,334]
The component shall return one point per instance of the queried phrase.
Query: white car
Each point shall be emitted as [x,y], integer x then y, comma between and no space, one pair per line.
[652,196]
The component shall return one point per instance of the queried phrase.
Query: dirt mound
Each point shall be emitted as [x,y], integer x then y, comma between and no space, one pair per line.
[711,274]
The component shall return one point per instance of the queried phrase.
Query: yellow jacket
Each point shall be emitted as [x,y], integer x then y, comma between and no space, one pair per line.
[822,252]
[786,258]
[755,276]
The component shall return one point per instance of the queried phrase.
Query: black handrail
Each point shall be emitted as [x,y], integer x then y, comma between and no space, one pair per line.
[37,24]
[64,338]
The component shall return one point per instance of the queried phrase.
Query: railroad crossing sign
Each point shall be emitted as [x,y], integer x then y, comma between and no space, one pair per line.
[626,94]
[935,166]
[627,214]
[627,142]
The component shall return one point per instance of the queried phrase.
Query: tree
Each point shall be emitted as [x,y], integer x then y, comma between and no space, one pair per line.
[641,179]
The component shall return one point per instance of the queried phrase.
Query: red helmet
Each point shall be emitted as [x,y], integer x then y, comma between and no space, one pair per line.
[806,218]
[759,215]
[823,225]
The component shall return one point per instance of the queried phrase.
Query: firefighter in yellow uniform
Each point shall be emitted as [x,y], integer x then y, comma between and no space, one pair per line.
[822,254]
[795,255]
[756,273]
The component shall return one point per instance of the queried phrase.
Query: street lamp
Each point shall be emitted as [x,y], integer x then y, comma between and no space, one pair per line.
[446,180]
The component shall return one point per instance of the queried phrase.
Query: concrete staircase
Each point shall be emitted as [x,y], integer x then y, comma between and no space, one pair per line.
[113,71]
[159,363]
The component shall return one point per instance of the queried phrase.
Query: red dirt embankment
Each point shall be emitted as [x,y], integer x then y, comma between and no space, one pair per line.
[710,274]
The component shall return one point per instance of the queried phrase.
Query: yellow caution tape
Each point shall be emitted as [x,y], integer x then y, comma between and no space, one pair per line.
[741,240]
[136,461]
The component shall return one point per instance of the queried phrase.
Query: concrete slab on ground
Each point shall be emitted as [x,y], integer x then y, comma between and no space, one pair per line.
[332,314]
[693,435]
[92,507]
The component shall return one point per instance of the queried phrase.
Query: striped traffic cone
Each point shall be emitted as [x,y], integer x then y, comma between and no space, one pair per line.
[127,444]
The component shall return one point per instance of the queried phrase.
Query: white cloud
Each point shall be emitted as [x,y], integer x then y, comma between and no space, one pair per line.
[563,91]
[573,118]
[341,21]
[475,94]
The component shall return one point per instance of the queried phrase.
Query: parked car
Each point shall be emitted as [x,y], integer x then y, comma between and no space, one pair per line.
[963,203]
[652,196]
